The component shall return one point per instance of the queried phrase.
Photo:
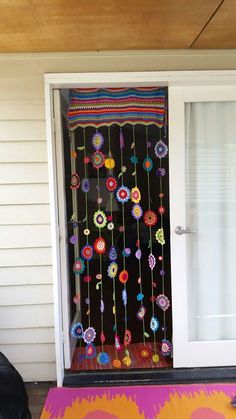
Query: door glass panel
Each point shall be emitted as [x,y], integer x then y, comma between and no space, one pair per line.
[211,216]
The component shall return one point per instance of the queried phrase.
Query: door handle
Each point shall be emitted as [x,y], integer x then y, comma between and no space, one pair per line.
[179,230]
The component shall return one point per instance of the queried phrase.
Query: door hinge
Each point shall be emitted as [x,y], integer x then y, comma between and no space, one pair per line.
[54,125]
[59,234]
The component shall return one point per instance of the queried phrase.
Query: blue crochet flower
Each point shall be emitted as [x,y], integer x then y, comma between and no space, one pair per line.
[154,324]
[77,330]
[85,186]
[103,358]
[112,254]
[134,159]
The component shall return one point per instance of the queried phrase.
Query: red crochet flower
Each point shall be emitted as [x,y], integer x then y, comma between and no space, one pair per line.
[100,245]
[124,276]
[144,352]
[127,337]
[150,218]
[161,210]
[111,183]
[75,181]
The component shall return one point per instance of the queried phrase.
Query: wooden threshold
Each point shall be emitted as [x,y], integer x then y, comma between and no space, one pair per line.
[149,377]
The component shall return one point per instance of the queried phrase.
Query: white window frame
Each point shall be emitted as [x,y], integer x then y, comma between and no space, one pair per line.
[105,80]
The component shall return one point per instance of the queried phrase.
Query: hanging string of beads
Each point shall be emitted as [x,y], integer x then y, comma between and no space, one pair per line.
[123,196]
[161,151]
[100,221]
[137,213]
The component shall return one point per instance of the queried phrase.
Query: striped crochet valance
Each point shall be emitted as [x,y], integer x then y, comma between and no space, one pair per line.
[98,107]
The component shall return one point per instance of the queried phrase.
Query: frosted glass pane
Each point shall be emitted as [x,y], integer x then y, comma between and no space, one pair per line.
[211,214]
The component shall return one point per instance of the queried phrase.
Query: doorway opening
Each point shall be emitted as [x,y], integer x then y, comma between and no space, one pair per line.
[118,230]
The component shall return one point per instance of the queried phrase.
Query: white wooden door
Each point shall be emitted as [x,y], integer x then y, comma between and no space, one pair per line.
[202,132]
[69,342]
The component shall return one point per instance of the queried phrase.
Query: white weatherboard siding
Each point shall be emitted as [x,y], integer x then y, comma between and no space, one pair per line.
[26,295]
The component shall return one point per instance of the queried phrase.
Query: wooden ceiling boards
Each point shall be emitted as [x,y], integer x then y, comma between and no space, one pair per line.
[221,30]
[76,25]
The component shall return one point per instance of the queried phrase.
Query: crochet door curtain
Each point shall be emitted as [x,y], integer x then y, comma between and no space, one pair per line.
[119,224]
[98,107]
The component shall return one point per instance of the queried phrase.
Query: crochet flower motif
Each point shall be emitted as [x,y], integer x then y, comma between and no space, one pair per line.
[102,306]
[90,351]
[137,211]
[135,195]
[123,194]
[138,254]
[126,252]
[78,267]
[100,245]
[77,330]
[127,361]
[163,302]
[97,140]
[76,298]
[134,159]
[98,159]
[160,172]
[166,347]
[154,324]
[112,254]
[144,353]
[148,164]
[161,149]
[116,363]
[111,183]
[112,270]
[87,252]
[150,218]
[124,297]
[89,335]
[110,163]
[127,337]
[123,277]
[75,181]
[141,312]
[117,343]
[103,358]
[161,210]
[110,226]
[160,236]
[99,219]
[151,261]
[85,185]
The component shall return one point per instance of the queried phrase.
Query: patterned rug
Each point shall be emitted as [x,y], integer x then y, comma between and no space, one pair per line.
[198,401]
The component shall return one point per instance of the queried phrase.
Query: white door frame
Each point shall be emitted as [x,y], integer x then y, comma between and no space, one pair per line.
[105,80]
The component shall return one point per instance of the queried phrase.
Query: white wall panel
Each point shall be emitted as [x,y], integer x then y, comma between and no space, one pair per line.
[40,371]
[30,109]
[24,214]
[12,130]
[24,194]
[14,317]
[23,173]
[21,236]
[25,275]
[29,353]
[26,257]
[23,152]
[26,295]
[24,336]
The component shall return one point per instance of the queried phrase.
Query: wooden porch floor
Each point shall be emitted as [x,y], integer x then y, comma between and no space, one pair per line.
[37,393]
